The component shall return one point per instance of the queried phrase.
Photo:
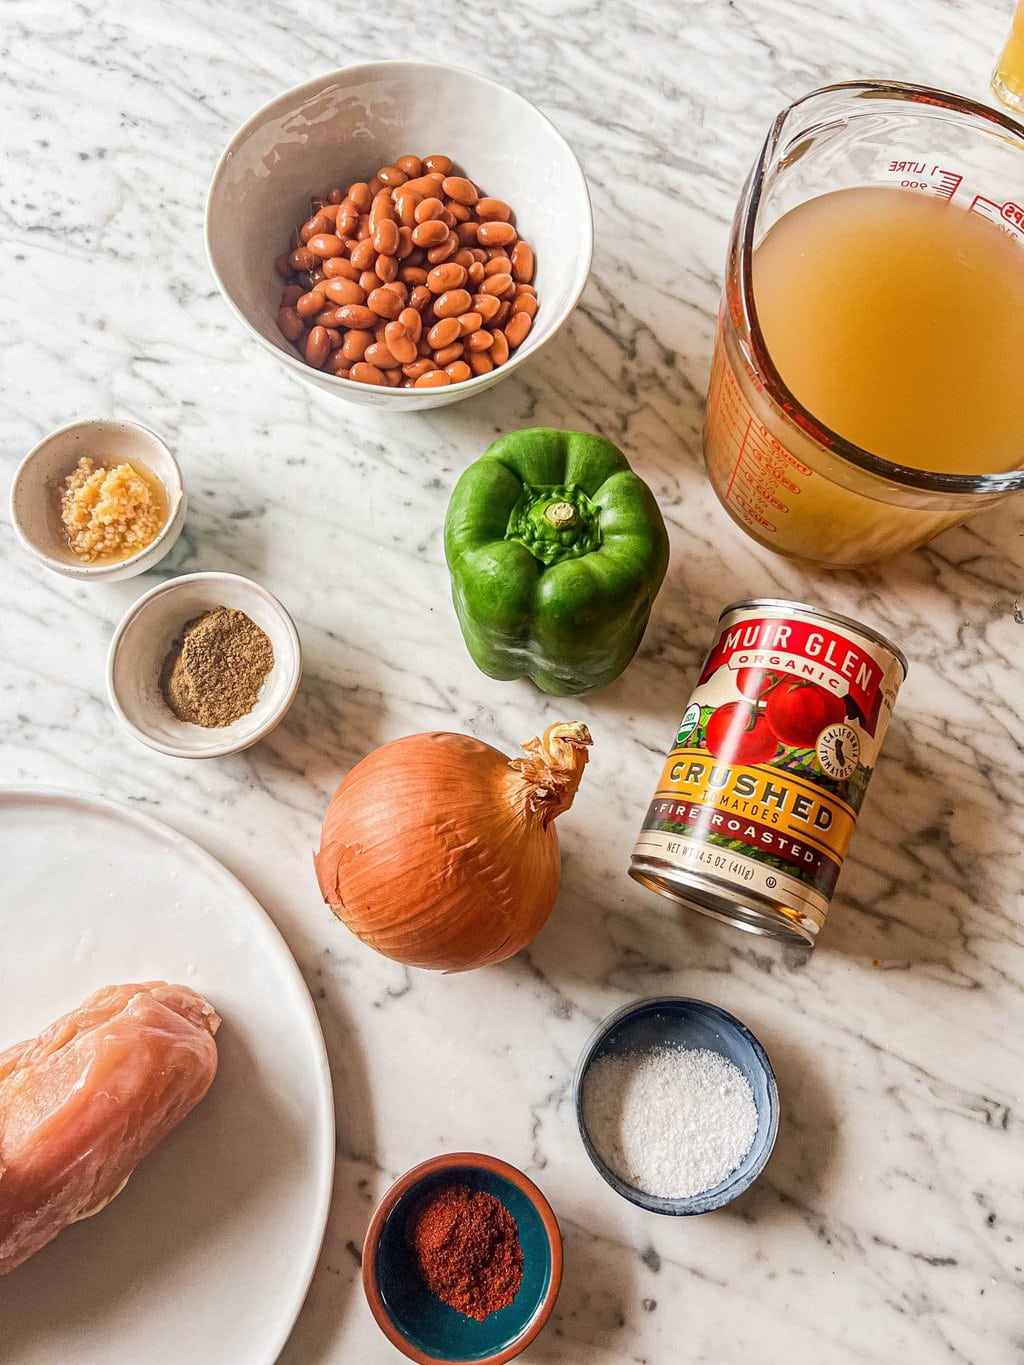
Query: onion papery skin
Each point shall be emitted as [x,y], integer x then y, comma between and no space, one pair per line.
[440,852]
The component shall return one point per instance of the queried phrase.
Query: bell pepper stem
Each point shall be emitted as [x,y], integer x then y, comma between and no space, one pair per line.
[555,522]
[561,515]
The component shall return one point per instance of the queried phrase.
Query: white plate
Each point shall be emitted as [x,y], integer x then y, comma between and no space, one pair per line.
[207,1254]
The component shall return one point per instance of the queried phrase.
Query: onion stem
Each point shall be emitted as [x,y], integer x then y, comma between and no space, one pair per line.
[549,776]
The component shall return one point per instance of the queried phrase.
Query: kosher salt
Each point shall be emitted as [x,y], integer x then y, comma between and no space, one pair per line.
[672,1121]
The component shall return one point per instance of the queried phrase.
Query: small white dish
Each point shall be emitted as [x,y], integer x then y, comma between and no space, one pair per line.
[146,634]
[341,127]
[35,493]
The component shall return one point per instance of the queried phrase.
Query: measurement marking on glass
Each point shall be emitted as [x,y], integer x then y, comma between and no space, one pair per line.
[948,183]
[918,175]
[739,456]
[759,474]
[1009,216]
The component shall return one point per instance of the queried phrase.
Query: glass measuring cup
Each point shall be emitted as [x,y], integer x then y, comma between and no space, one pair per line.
[791,482]
[1008,77]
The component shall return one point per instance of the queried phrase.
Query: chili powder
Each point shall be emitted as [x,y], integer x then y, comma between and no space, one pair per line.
[466,1247]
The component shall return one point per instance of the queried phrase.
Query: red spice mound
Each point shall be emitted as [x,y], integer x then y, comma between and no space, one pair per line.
[466,1247]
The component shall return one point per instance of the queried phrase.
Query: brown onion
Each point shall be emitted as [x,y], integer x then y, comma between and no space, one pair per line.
[441,852]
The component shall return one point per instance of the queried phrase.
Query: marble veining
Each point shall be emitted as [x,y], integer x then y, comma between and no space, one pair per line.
[887,1227]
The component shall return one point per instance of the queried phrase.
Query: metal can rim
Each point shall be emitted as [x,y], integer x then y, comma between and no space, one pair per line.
[868,632]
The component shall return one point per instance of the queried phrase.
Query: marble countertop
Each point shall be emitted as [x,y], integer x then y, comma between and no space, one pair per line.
[888,1225]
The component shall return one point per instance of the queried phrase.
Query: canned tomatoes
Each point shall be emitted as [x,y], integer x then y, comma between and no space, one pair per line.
[759,796]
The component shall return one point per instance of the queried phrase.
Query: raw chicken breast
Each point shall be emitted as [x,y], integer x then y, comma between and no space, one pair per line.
[84,1102]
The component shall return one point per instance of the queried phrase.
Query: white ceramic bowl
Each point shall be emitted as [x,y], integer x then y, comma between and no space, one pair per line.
[341,127]
[35,493]
[140,646]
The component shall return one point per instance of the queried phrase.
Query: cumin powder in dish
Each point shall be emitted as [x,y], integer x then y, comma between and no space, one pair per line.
[213,674]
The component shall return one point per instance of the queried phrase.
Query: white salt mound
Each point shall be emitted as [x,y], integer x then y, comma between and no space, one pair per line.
[673,1121]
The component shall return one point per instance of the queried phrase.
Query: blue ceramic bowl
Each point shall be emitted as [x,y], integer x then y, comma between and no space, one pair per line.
[411,1317]
[674,1021]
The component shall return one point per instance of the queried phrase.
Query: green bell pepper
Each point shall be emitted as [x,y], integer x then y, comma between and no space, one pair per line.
[556,551]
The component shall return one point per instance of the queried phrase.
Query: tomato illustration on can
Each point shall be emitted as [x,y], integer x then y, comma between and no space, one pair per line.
[740,731]
[760,794]
[778,710]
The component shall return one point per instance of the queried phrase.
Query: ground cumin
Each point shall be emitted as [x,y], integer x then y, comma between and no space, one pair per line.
[214,672]
[466,1247]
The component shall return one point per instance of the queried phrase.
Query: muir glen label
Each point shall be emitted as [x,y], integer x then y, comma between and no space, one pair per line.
[759,796]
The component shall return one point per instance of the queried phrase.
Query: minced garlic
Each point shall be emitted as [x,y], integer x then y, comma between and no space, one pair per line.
[108,512]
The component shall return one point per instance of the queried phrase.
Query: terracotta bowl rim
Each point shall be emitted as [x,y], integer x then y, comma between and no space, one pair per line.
[449,1161]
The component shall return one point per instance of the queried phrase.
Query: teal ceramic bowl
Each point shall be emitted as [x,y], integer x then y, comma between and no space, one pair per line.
[411,1317]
